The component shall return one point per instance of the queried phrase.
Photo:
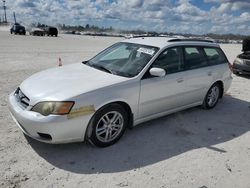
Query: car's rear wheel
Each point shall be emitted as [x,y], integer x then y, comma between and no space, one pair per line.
[108,125]
[212,96]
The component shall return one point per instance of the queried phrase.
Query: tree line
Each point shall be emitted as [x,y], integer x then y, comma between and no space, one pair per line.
[98,29]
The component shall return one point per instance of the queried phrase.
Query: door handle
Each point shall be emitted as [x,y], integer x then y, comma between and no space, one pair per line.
[179,80]
[209,73]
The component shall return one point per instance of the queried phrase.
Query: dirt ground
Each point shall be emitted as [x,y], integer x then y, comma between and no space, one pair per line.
[193,148]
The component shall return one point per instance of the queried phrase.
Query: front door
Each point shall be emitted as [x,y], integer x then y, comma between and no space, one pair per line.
[160,94]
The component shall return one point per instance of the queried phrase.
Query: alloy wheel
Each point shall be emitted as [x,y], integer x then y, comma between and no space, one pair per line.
[109,126]
[213,96]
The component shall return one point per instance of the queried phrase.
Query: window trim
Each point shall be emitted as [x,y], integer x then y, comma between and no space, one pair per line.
[200,49]
[216,48]
[147,74]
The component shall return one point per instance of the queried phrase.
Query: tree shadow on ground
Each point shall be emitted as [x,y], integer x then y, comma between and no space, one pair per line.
[154,141]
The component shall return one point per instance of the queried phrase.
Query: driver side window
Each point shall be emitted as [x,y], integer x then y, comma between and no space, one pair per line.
[170,60]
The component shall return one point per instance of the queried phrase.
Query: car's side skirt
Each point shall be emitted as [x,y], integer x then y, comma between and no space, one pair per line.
[154,116]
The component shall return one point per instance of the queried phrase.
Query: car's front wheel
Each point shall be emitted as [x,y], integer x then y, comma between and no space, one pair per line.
[212,96]
[108,125]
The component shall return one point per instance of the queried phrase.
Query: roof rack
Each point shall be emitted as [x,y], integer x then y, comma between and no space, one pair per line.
[198,40]
[144,36]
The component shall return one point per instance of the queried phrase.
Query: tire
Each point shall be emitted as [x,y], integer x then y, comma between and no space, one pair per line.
[236,73]
[212,96]
[103,131]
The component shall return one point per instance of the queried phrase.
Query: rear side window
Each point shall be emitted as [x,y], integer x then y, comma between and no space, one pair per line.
[194,58]
[215,56]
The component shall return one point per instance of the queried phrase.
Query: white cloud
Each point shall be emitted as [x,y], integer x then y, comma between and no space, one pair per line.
[225,7]
[160,15]
[134,3]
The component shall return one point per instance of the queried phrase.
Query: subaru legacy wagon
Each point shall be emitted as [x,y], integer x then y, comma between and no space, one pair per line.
[128,83]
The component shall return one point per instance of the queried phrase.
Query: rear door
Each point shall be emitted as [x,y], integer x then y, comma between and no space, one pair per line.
[160,94]
[199,73]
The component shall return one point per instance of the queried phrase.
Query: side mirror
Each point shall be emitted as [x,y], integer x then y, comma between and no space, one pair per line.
[158,72]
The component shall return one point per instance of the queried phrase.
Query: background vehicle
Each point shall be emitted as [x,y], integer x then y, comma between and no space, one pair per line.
[37,32]
[128,83]
[241,64]
[51,31]
[18,29]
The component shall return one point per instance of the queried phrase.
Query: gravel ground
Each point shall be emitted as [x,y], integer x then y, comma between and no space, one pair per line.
[193,148]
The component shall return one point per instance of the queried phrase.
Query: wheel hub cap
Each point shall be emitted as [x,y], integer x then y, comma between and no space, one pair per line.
[213,96]
[109,126]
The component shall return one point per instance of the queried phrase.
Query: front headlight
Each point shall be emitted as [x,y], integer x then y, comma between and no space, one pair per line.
[56,108]
[239,61]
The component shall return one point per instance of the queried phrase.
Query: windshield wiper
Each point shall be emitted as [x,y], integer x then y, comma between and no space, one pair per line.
[100,67]
[128,75]
[85,62]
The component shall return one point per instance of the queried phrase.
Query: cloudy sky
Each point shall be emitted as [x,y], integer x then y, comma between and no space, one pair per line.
[182,16]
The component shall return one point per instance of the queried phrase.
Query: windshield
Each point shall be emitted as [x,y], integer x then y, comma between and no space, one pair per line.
[123,59]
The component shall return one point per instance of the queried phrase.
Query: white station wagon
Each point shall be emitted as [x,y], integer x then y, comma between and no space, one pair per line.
[130,82]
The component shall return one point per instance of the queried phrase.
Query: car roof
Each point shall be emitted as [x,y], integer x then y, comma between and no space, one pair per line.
[162,42]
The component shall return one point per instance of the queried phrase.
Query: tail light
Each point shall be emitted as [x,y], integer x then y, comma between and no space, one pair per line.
[230,66]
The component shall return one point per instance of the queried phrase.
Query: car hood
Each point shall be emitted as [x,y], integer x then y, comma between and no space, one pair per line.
[65,82]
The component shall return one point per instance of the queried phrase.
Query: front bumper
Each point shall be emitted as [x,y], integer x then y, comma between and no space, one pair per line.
[49,129]
[241,68]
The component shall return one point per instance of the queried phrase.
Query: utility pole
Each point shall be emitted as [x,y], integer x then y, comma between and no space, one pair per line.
[4,8]
[14,16]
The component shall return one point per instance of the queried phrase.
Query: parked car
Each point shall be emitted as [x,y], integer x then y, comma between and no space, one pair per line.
[17,29]
[241,64]
[51,31]
[37,32]
[131,82]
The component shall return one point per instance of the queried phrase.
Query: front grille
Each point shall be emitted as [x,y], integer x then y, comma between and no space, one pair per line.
[22,98]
